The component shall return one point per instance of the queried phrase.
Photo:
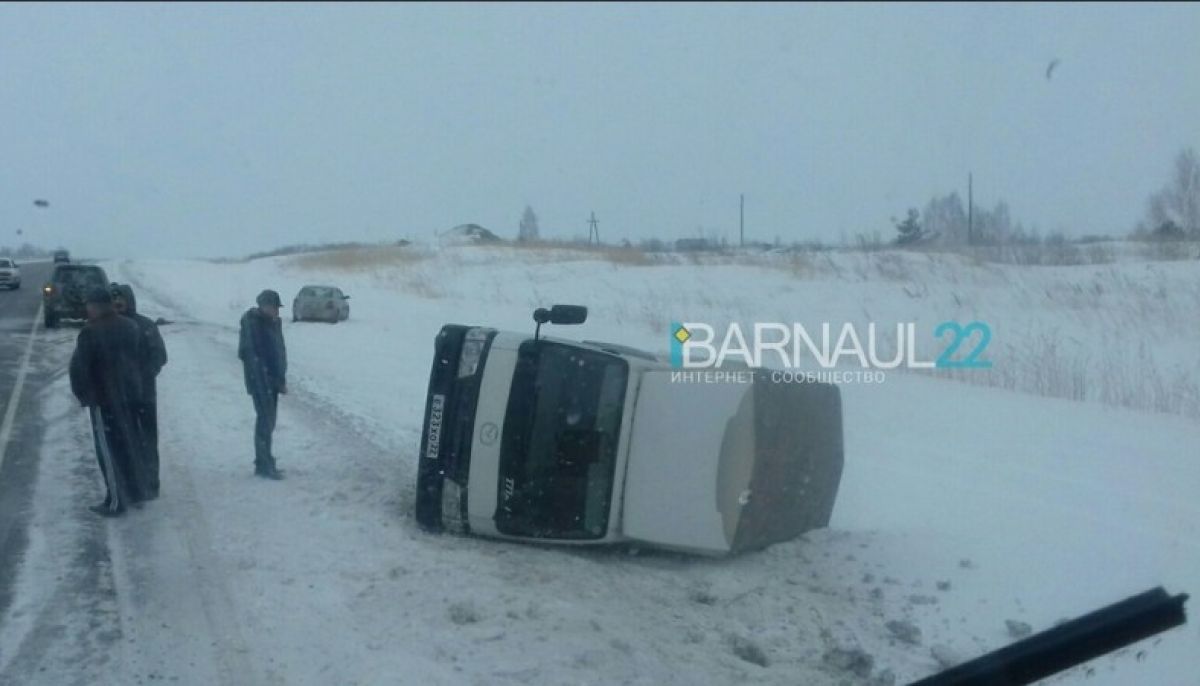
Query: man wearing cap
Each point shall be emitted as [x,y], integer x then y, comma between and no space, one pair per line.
[264,363]
[105,378]
[153,359]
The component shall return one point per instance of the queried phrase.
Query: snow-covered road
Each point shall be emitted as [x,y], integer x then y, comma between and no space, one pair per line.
[961,507]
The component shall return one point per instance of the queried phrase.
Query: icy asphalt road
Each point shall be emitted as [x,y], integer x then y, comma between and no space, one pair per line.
[20,425]
[77,581]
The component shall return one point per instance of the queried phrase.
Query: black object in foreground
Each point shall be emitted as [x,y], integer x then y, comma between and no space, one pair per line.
[1070,644]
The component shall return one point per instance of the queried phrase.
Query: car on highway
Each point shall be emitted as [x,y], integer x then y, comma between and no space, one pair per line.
[10,273]
[530,438]
[62,257]
[63,296]
[321,303]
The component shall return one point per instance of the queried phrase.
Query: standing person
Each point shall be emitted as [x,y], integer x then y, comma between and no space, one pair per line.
[153,359]
[264,363]
[105,379]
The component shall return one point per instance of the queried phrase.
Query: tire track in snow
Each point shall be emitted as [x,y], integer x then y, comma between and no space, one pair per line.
[209,488]
[180,612]
[316,411]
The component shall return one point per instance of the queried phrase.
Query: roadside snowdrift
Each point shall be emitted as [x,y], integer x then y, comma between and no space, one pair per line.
[1024,507]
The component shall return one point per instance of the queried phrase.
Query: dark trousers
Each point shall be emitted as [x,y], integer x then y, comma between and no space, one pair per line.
[145,414]
[266,405]
[117,451]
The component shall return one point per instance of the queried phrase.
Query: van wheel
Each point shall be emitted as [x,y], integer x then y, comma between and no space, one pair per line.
[51,321]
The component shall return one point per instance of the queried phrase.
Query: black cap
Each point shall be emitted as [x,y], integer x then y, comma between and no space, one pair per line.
[99,295]
[269,297]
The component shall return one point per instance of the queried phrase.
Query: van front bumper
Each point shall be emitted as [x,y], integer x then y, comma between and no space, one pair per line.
[445,453]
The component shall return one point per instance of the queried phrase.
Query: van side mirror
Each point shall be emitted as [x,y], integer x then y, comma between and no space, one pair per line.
[558,314]
[561,314]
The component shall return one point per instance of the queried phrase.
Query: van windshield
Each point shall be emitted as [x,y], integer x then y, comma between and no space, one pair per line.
[559,446]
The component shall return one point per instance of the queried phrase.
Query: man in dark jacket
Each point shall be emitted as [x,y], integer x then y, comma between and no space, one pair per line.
[153,359]
[105,378]
[264,363]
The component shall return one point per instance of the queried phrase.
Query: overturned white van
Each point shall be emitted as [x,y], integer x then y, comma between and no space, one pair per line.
[535,438]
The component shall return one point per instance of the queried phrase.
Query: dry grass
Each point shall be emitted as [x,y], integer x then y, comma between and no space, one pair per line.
[553,251]
[1168,251]
[421,286]
[357,259]
[798,265]
[628,256]
[1051,372]
[1059,253]
[565,252]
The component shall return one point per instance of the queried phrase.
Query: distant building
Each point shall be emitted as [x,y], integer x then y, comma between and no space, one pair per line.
[467,234]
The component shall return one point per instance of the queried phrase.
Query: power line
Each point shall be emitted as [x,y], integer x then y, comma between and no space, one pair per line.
[593,229]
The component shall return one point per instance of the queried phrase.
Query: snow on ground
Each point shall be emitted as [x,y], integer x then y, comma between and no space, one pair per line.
[962,505]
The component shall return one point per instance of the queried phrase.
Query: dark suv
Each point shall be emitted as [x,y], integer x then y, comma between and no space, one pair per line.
[61,256]
[63,297]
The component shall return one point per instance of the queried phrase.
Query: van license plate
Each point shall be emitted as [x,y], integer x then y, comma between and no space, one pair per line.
[435,426]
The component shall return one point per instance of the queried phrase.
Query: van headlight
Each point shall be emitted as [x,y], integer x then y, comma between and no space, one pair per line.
[452,503]
[472,351]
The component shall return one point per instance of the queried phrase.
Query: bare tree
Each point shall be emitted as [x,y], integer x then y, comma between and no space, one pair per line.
[946,218]
[995,226]
[1178,204]
[25,250]
[528,230]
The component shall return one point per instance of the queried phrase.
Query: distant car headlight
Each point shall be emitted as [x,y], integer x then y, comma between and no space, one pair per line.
[472,352]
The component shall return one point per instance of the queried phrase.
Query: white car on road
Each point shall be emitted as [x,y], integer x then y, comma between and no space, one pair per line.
[10,273]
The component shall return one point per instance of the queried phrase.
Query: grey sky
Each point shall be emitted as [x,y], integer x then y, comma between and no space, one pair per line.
[193,130]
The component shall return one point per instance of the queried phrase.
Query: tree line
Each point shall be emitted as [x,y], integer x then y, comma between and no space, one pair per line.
[25,251]
[1172,213]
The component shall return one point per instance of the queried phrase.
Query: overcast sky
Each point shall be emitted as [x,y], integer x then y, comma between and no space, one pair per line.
[205,130]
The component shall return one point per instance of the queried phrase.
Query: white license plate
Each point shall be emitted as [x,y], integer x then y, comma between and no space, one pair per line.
[435,426]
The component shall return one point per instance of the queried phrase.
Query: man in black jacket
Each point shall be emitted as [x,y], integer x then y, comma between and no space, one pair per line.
[264,363]
[105,378]
[153,359]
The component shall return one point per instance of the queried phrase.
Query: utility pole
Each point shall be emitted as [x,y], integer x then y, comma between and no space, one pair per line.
[593,229]
[970,210]
[742,222]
